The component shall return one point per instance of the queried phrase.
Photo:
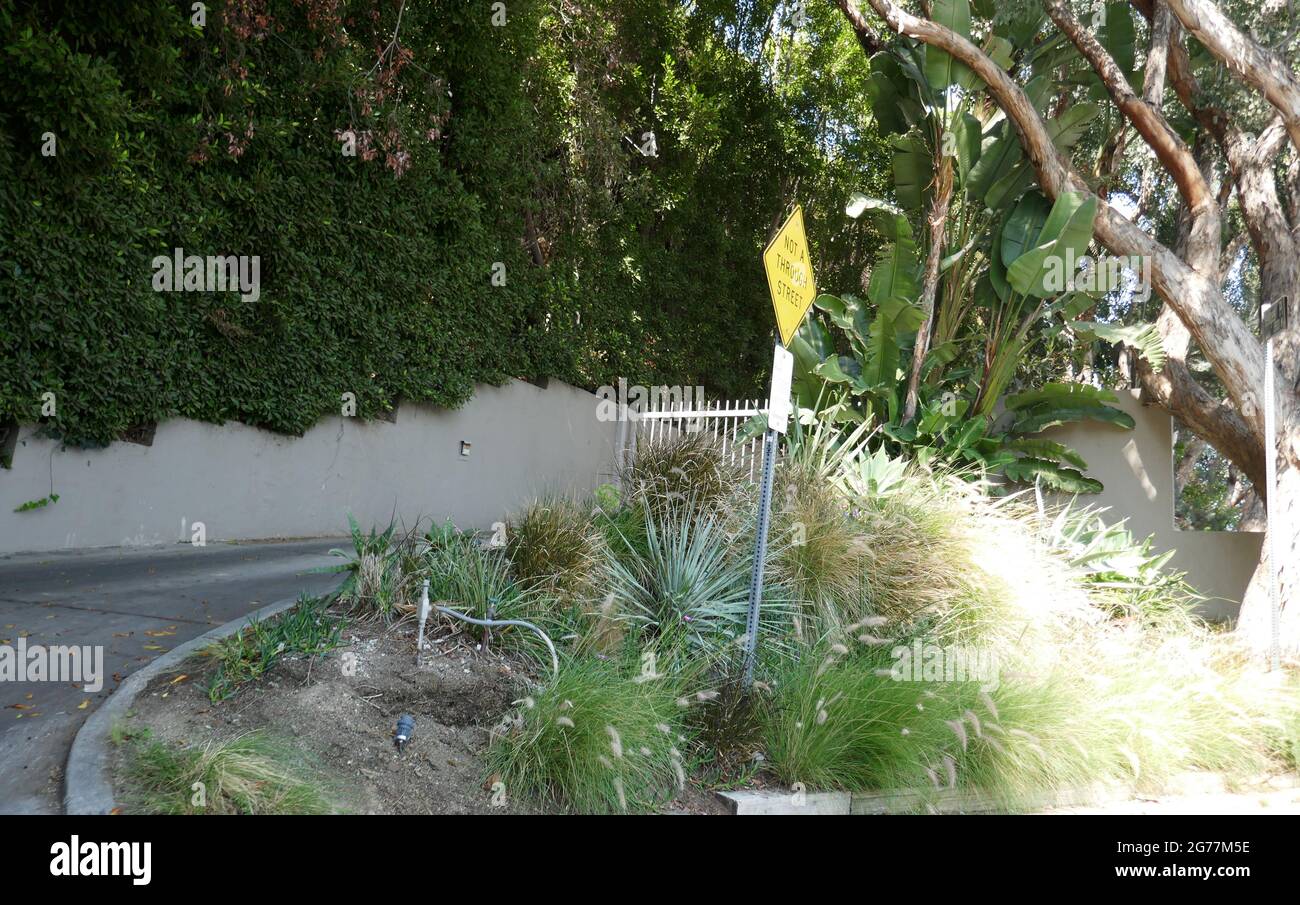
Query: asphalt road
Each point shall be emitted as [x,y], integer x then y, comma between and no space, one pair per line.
[137,603]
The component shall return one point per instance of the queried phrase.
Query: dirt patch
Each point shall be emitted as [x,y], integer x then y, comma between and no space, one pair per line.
[339,713]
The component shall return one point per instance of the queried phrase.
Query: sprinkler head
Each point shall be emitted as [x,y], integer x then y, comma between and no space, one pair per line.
[405,729]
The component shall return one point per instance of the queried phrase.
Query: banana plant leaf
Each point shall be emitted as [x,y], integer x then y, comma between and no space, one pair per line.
[1064,237]
[913,171]
[941,70]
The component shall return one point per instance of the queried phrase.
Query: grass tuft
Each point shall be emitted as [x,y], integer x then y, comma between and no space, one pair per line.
[307,629]
[596,740]
[553,546]
[249,774]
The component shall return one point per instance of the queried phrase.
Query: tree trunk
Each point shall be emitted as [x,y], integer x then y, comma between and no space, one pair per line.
[942,198]
[1254,624]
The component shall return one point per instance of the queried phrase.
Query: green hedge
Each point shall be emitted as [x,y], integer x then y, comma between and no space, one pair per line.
[371,283]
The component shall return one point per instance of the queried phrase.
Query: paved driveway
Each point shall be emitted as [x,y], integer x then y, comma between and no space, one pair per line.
[137,603]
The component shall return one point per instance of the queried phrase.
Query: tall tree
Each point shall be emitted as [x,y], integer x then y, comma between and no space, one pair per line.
[1187,273]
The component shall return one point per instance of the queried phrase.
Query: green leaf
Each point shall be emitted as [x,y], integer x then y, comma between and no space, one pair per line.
[1021,25]
[912,171]
[1064,237]
[887,218]
[894,317]
[1000,51]
[1070,126]
[1144,338]
[941,70]
[939,356]
[1119,37]
[894,277]
[889,89]
[842,369]
[1055,476]
[1041,418]
[1023,226]
[1060,403]
[997,158]
[993,285]
[1046,449]
[968,132]
[1010,187]
[1060,392]
[971,429]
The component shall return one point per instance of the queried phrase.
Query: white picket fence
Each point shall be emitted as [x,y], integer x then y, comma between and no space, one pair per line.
[720,420]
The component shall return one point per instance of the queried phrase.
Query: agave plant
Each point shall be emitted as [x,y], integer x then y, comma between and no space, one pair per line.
[1123,569]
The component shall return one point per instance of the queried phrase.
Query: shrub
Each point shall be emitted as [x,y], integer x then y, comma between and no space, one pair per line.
[1121,572]
[726,726]
[682,470]
[593,740]
[381,572]
[621,523]
[822,556]
[690,590]
[553,547]
[839,721]
[475,580]
[223,139]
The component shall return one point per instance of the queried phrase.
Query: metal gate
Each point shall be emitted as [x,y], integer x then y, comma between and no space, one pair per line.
[720,420]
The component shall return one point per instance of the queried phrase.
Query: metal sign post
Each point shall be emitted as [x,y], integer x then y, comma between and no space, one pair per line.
[760,556]
[778,411]
[790,281]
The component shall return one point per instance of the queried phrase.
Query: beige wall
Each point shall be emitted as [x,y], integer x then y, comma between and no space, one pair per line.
[245,483]
[1137,468]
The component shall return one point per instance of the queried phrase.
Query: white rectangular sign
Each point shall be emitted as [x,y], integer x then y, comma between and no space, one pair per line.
[778,405]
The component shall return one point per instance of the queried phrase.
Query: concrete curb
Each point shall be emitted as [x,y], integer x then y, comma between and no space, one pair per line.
[88,786]
[903,801]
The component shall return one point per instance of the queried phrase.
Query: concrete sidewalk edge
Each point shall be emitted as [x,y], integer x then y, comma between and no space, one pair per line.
[88,787]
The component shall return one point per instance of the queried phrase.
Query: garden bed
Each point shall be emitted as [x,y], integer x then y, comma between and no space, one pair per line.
[919,639]
[337,729]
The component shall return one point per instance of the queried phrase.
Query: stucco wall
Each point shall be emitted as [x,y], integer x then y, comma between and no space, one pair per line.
[246,483]
[1137,468]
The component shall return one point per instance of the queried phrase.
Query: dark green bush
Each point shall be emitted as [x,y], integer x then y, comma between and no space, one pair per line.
[376,275]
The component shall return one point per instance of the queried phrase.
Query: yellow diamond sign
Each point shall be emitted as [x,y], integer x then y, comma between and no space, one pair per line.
[789,275]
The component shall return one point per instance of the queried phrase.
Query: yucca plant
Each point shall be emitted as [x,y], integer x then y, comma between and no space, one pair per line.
[691,588]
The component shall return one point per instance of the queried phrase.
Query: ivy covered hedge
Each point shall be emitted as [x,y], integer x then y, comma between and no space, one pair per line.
[475,144]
